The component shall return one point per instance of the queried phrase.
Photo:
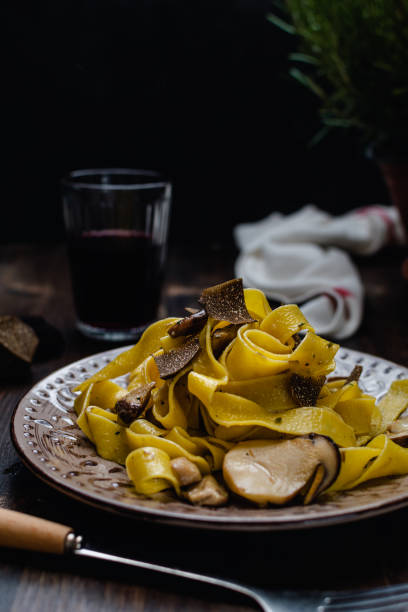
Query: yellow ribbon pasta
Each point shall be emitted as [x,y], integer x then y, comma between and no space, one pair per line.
[243,389]
[148,344]
[172,449]
[150,470]
[393,403]
[381,457]
[108,436]
[257,304]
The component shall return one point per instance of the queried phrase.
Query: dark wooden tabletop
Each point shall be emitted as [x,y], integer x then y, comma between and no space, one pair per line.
[34,282]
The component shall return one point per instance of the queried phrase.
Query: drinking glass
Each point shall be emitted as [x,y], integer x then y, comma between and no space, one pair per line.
[116,223]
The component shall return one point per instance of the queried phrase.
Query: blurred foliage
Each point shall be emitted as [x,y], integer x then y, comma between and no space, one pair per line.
[353,54]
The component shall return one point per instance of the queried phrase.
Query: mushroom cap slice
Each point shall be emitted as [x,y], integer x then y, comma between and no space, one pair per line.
[222,336]
[330,457]
[207,492]
[131,405]
[398,432]
[399,426]
[187,326]
[275,471]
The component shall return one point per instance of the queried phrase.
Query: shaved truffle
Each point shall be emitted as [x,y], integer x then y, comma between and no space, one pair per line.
[305,389]
[18,343]
[189,325]
[131,405]
[297,339]
[226,302]
[221,338]
[171,362]
[354,374]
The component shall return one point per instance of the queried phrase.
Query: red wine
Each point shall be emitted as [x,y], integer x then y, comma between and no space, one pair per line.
[116,278]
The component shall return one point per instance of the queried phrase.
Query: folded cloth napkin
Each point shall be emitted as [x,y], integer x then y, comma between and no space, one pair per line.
[296,259]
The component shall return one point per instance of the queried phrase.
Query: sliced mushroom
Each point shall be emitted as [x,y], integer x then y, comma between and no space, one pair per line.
[399,438]
[222,336]
[208,492]
[275,471]
[173,361]
[311,490]
[329,455]
[398,432]
[399,426]
[186,471]
[305,389]
[132,405]
[188,325]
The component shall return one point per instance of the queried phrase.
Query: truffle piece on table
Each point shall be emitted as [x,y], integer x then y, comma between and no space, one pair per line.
[18,343]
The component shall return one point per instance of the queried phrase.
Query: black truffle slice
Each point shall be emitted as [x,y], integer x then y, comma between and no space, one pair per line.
[297,338]
[131,405]
[222,336]
[171,362]
[18,343]
[354,374]
[189,325]
[305,389]
[226,302]
[51,341]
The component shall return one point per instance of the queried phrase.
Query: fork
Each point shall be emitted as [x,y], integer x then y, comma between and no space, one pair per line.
[18,530]
[378,599]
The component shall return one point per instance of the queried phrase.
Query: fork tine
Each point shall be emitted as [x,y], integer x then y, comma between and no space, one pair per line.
[368,607]
[402,607]
[368,603]
[367,593]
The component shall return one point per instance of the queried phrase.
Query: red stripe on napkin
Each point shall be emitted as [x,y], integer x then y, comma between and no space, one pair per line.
[343,291]
[377,210]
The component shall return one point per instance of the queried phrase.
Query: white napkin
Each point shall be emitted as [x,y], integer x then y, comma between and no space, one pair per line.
[295,259]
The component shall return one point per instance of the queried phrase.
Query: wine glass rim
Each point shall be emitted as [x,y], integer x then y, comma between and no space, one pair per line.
[77,179]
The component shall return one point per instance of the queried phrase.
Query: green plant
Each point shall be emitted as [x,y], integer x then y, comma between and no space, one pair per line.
[353,54]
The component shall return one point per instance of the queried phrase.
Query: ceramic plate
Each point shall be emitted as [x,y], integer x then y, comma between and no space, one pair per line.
[49,442]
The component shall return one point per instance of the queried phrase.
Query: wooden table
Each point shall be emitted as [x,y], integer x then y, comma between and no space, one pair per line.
[34,281]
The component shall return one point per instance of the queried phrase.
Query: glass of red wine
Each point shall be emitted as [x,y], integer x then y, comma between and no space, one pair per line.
[116,222]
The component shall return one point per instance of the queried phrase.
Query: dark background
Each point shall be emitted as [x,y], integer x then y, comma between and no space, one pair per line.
[198,90]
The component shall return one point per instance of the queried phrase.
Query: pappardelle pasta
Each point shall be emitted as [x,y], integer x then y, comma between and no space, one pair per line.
[236,398]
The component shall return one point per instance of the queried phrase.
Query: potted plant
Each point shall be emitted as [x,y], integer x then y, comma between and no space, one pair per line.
[353,54]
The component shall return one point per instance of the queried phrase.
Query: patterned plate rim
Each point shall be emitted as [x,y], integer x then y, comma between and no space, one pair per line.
[323,514]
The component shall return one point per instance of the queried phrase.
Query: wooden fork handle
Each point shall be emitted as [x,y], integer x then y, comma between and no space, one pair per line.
[18,530]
